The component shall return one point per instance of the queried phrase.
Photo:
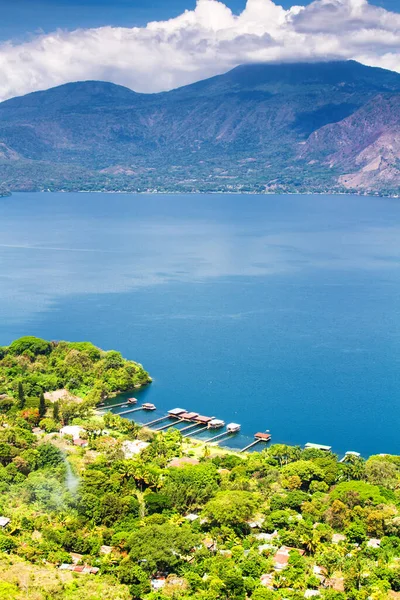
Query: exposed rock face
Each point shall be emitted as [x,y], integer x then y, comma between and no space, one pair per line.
[365,145]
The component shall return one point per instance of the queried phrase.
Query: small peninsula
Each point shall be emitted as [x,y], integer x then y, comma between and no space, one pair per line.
[75,371]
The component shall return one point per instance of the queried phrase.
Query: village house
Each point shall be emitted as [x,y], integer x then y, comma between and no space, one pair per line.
[266,537]
[373,543]
[267,580]
[157,583]
[4,521]
[80,443]
[84,569]
[281,558]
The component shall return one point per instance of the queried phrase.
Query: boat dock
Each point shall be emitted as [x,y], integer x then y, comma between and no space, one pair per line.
[113,405]
[231,429]
[145,406]
[203,428]
[258,437]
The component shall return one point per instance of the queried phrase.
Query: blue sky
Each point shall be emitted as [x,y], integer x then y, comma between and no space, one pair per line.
[19,18]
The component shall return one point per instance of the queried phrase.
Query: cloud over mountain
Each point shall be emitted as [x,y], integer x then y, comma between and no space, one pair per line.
[201,43]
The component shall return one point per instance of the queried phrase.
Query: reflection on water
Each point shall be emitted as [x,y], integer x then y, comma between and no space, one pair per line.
[281,311]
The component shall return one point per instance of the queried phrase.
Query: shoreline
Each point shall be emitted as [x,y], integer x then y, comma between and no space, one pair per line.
[367,194]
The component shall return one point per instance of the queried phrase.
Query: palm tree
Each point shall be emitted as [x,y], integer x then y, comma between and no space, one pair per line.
[310,540]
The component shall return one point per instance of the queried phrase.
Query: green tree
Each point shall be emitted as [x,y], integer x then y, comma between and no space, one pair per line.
[162,547]
[42,406]
[21,396]
[231,508]
[56,411]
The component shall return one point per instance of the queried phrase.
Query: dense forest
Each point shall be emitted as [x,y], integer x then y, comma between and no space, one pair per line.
[125,513]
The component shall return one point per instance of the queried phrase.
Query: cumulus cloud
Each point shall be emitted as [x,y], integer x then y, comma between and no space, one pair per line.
[201,43]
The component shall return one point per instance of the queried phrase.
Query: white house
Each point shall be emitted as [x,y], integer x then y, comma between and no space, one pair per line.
[72,430]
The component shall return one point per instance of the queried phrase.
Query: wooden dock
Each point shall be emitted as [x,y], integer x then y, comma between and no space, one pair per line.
[258,437]
[168,425]
[155,421]
[131,410]
[126,403]
[250,446]
[192,426]
[219,436]
[203,428]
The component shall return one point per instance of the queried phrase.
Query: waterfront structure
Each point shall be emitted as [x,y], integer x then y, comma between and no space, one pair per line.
[233,428]
[311,446]
[176,412]
[216,424]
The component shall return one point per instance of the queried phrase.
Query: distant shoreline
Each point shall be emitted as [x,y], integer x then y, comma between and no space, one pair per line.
[204,193]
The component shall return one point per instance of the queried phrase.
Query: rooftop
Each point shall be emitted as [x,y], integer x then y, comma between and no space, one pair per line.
[4,521]
[189,415]
[310,445]
[176,411]
[263,436]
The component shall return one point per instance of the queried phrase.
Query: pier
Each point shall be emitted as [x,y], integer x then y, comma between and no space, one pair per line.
[203,428]
[259,437]
[113,405]
[145,406]
[169,425]
[231,429]
[192,426]
[131,410]
[156,421]
[217,437]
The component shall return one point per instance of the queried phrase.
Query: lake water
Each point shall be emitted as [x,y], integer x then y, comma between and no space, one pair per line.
[276,312]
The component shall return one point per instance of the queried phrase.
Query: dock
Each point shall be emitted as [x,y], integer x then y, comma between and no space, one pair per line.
[231,429]
[169,425]
[146,406]
[131,410]
[194,432]
[192,426]
[113,406]
[258,437]
[156,421]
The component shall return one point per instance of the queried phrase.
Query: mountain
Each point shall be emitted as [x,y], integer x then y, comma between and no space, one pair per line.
[263,127]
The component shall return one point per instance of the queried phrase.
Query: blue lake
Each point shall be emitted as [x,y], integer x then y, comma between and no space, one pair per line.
[276,312]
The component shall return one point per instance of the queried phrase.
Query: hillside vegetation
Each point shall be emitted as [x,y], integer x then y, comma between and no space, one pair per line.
[180,520]
[30,367]
[259,128]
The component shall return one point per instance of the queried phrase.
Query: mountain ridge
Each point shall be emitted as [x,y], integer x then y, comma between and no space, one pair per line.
[260,127]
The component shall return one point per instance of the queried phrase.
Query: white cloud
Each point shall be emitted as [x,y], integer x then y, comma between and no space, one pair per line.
[201,43]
